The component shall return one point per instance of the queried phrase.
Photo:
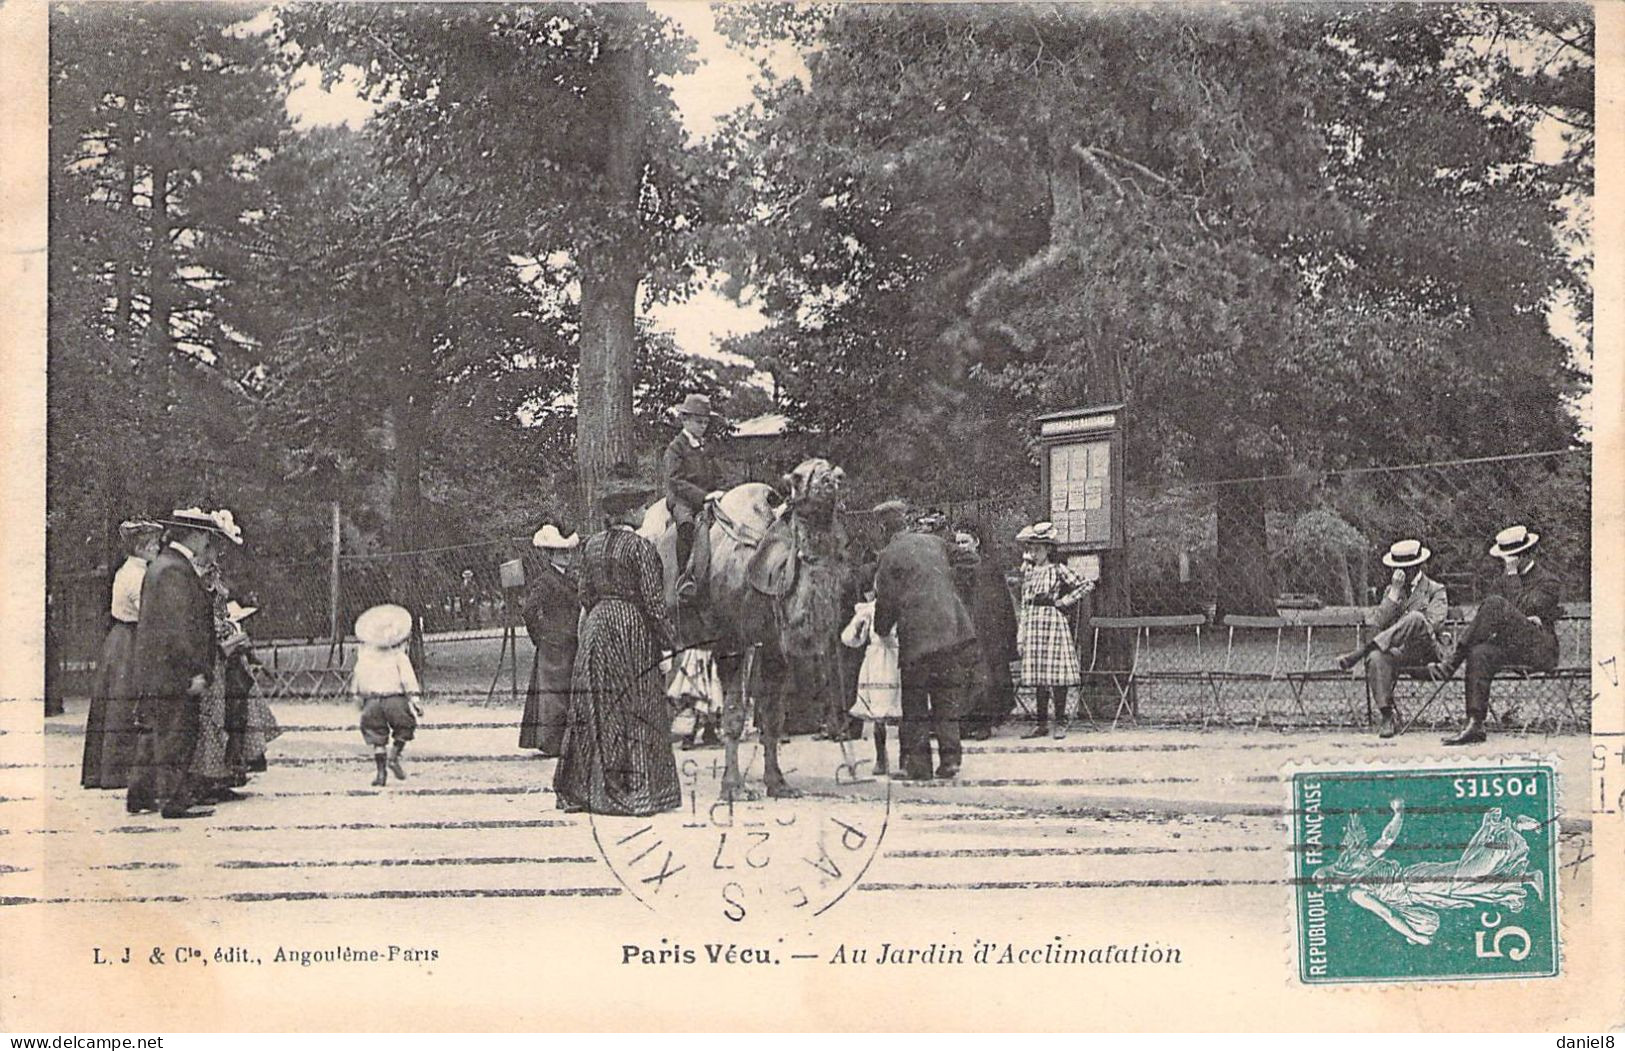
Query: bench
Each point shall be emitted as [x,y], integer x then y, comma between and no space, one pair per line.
[1146,660]
[299,681]
[1566,677]
[1286,666]
[1325,634]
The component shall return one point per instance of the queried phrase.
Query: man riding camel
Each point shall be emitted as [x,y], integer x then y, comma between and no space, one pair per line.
[691,475]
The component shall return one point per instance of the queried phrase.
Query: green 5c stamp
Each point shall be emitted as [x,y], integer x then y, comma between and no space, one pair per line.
[1425,874]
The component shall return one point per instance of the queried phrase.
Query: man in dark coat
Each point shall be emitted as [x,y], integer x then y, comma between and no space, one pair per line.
[552,612]
[691,475]
[1516,625]
[174,663]
[914,592]
[983,589]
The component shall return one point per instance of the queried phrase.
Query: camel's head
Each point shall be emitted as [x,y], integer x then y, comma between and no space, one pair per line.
[814,487]
[812,614]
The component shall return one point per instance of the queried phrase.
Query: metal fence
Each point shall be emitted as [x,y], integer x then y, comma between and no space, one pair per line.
[1311,541]
[1294,546]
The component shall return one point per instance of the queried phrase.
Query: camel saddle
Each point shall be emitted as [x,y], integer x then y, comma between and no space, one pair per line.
[773,566]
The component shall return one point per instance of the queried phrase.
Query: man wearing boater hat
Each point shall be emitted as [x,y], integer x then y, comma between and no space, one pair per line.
[174,661]
[691,475]
[1408,621]
[1515,625]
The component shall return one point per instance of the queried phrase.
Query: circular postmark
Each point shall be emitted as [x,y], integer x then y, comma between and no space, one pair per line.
[752,860]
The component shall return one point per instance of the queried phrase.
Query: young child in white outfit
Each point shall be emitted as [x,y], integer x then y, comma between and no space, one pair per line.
[385,686]
[880,689]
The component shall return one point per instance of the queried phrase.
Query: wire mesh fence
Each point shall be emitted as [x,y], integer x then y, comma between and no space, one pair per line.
[1252,586]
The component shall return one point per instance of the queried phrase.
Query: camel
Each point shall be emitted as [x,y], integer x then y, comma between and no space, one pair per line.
[776,590]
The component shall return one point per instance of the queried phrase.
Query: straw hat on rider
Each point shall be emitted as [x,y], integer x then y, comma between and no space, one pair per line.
[384,626]
[1403,554]
[549,538]
[1513,540]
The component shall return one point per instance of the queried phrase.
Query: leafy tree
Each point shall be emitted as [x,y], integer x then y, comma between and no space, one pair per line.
[160,120]
[548,125]
[1266,229]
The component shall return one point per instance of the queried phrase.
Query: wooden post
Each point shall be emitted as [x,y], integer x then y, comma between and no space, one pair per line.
[336,634]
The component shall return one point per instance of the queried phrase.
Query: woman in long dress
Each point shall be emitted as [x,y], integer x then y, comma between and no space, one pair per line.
[250,723]
[110,734]
[1493,870]
[617,755]
[214,767]
[553,621]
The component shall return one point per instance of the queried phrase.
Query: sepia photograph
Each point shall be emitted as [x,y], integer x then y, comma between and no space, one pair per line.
[889,517]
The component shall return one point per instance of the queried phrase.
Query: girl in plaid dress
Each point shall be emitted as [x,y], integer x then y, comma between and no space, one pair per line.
[1049,661]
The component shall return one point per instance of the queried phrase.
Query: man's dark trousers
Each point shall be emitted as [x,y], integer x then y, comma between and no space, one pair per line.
[1499,635]
[161,776]
[936,688]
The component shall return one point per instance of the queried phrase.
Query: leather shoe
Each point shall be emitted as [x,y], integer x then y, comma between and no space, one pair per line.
[1041,730]
[141,808]
[904,775]
[178,815]
[1347,661]
[981,733]
[1388,728]
[947,773]
[1472,733]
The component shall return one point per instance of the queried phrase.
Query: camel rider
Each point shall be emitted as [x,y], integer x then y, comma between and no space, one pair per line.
[692,475]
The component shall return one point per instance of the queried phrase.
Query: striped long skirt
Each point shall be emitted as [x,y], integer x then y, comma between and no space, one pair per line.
[617,752]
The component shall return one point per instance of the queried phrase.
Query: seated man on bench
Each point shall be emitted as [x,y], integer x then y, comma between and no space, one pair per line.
[1515,626]
[1408,620]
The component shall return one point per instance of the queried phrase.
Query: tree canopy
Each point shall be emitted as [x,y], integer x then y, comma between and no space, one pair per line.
[1293,238]
[1287,237]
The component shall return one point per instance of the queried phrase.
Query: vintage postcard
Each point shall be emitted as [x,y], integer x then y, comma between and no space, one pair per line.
[846,516]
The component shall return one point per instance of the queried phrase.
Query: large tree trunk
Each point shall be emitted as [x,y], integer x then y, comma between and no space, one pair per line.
[608,358]
[610,272]
[1245,582]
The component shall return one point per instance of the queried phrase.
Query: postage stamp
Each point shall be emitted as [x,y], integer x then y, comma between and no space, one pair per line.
[1426,874]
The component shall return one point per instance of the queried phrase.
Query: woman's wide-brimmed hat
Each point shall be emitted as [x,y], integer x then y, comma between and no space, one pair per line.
[237,614]
[549,537]
[1038,533]
[694,405]
[384,626]
[1403,554]
[1513,540]
[221,522]
[138,527]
